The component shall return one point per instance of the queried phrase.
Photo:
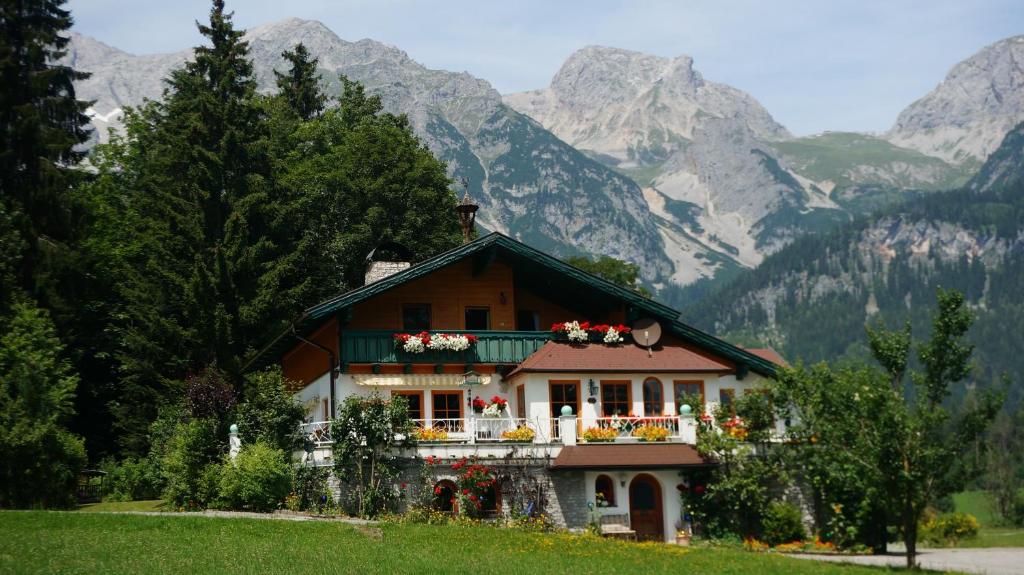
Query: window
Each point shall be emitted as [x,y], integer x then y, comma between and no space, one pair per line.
[604,490]
[416,317]
[527,320]
[654,403]
[521,401]
[490,500]
[682,389]
[415,402]
[447,405]
[564,393]
[725,399]
[615,398]
[478,318]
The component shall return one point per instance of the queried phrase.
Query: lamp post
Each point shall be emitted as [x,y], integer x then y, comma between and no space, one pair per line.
[470,379]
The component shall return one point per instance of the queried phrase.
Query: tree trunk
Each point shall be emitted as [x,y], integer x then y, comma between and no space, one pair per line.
[910,533]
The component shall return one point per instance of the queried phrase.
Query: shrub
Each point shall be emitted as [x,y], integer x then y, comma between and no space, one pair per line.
[131,480]
[269,413]
[949,528]
[258,479]
[312,492]
[190,465]
[782,523]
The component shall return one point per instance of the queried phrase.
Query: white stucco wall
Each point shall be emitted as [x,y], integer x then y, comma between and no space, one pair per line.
[672,511]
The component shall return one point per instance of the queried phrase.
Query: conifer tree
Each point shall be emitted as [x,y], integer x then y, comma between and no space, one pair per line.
[41,123]
[300,87]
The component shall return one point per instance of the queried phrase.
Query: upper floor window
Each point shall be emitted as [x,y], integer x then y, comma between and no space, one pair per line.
[615,398]
[654,401]
[416,317]
[478,318]
[414,403]
[689,389]
[527,320]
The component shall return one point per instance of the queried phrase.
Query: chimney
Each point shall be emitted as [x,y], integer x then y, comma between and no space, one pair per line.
[467,216]
[378,270]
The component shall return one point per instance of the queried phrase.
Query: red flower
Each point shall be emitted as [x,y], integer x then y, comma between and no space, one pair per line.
[472,339]
[585,326]
[437,490]
[698,489]
[465,492]
[472,497]
[403,486]
[558,327]
[430,459]
[623,328]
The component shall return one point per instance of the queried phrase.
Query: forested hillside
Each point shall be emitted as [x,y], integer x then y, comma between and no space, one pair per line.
[812,299]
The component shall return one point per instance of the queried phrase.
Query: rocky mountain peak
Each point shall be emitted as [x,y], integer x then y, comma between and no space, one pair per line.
[966,116]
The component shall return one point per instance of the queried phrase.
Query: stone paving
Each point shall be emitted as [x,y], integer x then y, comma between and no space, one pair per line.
[993,561]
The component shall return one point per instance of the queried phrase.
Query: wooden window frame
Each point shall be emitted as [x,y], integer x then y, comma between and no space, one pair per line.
[675,395]
[416,392]
[433,404]
[521,401]
[466,309]
[579,397]
[643,386]
[430,315]
[629,394]
[536,318]
[731,392]
[611,484]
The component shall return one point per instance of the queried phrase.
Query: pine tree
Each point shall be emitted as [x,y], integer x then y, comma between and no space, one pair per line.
[41,123]
[203,199]
[300,87]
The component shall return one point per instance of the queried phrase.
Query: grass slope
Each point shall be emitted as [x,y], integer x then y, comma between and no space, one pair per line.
[992,534]
[55,542]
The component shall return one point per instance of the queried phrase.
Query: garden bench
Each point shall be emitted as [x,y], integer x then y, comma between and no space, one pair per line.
[616,525]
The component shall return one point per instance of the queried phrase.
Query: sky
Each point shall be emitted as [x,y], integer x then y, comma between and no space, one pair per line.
[816,65]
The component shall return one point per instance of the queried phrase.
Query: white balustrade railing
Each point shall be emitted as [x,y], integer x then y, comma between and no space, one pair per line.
[464,430]
[613,428]
[317,432]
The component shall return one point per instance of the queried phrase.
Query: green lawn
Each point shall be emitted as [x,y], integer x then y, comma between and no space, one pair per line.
[56,542]
[153,505]
[993,533]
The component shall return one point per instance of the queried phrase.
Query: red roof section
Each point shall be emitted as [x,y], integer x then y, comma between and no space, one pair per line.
[769,354]
[596,357]
[628,456]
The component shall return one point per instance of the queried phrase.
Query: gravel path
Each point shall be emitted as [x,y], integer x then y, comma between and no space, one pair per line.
[993,561]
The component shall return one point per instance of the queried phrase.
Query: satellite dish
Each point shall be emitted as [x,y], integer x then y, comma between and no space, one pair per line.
[646,332]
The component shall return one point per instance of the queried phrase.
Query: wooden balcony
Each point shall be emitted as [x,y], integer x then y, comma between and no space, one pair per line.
[494,347]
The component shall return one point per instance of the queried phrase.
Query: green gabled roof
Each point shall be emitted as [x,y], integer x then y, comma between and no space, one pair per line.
[315,315]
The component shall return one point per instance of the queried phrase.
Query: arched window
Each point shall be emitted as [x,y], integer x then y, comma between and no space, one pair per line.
[444,496]
[604,490]
[654,399]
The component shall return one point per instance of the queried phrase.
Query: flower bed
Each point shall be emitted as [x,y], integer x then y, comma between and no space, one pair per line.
[600,434]
[522,434]
[420,342]
[430,434]
[651,433]
[581,332]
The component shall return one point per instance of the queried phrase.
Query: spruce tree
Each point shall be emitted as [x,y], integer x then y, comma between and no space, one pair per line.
[300,87]
[204,241]
[41,125]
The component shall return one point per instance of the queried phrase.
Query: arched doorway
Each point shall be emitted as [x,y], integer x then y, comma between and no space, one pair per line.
[444,497]
[645,508]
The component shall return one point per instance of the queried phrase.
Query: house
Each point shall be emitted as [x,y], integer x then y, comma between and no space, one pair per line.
[574,409]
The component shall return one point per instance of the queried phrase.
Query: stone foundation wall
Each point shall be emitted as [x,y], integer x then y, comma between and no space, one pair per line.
[560,495]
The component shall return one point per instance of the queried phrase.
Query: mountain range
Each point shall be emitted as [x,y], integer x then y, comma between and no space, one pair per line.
[632,155]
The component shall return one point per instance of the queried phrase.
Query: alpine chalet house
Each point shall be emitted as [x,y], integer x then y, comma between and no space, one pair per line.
[505,353]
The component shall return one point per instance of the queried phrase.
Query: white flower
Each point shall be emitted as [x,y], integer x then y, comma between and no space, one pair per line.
[413,345]
[575,332]
[612,336]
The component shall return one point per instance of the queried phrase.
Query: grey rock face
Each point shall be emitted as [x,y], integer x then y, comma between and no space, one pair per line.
[966,116]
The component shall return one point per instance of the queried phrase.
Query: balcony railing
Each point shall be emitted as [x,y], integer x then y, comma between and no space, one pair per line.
[603,429]
[462,430]
[499,347]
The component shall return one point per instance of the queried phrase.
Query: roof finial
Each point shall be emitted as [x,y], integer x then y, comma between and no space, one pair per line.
[467,214]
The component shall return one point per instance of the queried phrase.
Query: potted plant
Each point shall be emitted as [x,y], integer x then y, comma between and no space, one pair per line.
[683,538]
[478,405]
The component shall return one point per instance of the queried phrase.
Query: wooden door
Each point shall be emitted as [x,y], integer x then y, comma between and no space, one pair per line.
[645,508]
